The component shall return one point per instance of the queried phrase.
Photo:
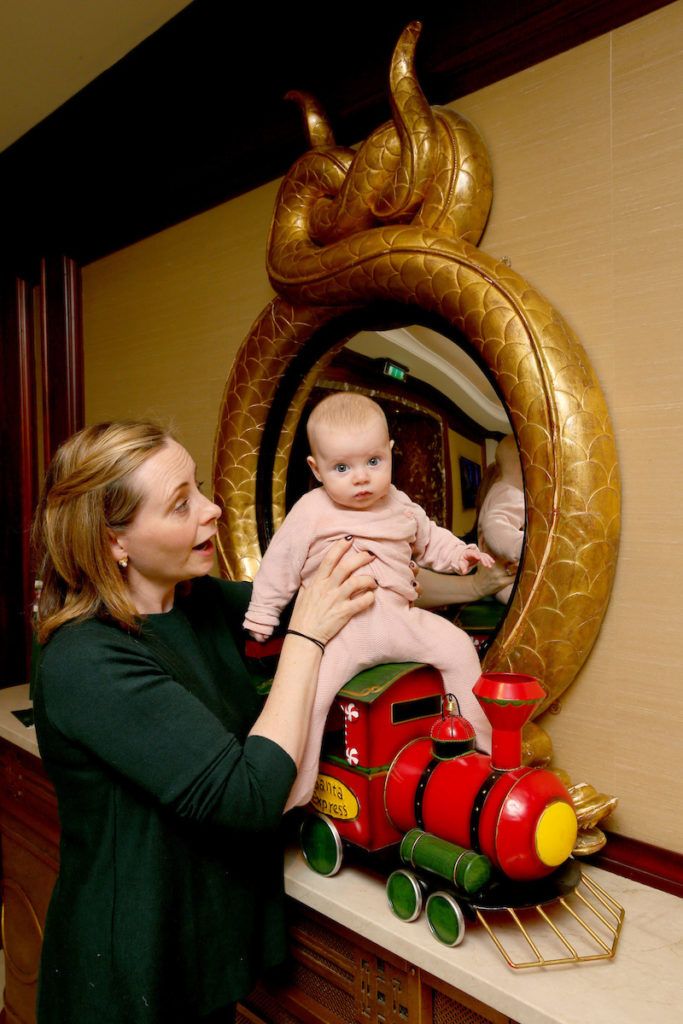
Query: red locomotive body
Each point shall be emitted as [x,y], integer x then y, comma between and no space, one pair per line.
[476,835]
[373,716]
[393,761]
[510,816]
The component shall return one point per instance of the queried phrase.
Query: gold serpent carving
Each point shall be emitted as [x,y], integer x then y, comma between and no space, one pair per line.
[398,222]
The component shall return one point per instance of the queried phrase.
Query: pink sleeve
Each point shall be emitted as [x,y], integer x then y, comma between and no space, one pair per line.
[501,523]
[437,548]
[279,576]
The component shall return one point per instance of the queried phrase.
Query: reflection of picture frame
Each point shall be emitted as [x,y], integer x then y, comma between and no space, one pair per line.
[470,478]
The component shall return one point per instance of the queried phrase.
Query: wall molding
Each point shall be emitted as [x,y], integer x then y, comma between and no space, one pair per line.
[642,862]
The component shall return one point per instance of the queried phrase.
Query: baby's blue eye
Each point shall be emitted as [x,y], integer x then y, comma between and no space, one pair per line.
[374,461]
[341,467]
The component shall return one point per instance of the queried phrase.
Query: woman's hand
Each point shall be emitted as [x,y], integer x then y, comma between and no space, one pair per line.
[334,594]
[490,579]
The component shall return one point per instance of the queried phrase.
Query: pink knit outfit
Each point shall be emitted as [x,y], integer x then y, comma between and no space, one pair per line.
[395,530]
[501,526]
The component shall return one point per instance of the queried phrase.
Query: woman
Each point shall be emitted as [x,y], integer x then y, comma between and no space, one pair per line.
[170,779]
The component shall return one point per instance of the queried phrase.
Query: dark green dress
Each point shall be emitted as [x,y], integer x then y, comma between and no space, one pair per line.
[169,900]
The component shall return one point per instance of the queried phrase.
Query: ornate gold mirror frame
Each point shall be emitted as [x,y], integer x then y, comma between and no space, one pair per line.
[394,226]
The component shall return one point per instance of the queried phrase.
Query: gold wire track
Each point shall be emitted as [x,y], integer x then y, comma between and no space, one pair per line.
[591,898]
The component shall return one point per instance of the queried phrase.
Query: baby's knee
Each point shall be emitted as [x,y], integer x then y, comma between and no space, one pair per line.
[463,641]
[456,641]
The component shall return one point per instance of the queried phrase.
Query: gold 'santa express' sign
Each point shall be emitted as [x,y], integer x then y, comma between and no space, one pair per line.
[333,798]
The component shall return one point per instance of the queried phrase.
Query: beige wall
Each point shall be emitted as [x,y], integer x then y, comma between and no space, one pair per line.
[587,150]
[163,319]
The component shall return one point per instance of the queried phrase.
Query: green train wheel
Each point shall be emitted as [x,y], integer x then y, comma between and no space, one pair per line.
[321,844]
[405,895]
[445,918]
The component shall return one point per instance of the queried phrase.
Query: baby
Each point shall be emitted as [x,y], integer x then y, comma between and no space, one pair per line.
[500,526]
[351,458]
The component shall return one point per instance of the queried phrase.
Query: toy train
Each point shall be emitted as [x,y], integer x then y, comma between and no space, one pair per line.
[399,766]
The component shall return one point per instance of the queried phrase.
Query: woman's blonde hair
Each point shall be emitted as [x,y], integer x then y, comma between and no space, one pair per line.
[86,497]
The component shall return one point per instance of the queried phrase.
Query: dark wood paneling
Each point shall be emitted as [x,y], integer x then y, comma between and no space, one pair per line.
[17,474]
[62,351]
[62,414]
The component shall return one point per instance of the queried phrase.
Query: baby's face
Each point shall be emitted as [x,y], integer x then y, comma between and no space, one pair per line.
[353,466]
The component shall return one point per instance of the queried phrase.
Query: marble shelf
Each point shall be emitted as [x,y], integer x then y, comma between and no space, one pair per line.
[16,698]
[641,984]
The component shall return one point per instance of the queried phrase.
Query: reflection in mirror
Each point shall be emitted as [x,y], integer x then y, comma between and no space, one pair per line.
[446,421]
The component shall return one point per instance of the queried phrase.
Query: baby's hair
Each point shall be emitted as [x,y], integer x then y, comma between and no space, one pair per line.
[343,411]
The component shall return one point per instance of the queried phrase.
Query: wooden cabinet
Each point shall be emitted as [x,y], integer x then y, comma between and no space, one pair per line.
[335,976]
[29,840]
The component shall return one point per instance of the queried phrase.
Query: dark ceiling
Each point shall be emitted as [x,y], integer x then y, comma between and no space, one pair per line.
[195,114]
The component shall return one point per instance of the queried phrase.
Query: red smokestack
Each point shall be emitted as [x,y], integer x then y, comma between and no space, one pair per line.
[508,700]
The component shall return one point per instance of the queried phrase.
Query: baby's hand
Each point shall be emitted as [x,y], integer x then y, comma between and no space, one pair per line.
[473,556]
[261,637]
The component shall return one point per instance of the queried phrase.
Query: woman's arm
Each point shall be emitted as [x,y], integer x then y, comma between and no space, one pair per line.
[262,779]
[332,597]
[437,589]
[102,696]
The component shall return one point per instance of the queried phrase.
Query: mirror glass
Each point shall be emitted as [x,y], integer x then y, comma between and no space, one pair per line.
[446,421]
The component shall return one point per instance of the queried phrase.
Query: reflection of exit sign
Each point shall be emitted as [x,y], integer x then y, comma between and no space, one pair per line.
[395,370]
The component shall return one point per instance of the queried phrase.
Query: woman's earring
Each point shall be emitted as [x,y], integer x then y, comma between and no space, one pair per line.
[123,562]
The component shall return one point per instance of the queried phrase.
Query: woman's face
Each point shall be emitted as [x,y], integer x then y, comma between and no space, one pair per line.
[170,537]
